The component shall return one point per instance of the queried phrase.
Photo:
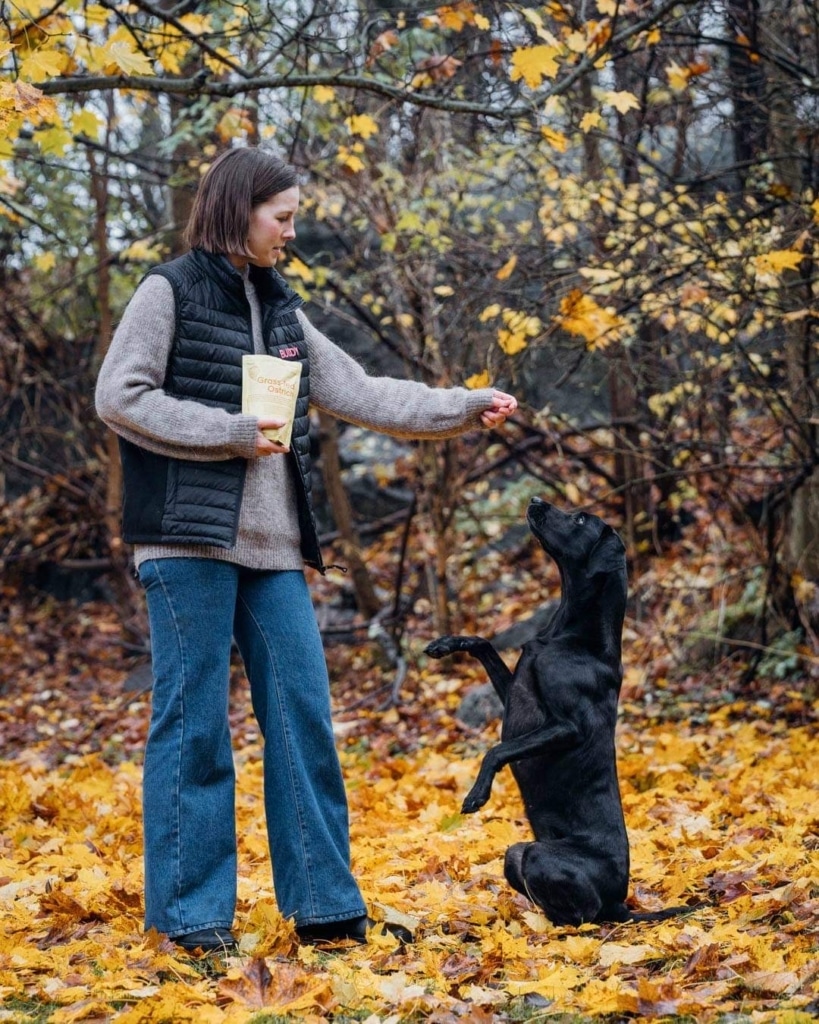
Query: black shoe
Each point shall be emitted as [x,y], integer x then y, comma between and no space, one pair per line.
[353,929]
[208,940]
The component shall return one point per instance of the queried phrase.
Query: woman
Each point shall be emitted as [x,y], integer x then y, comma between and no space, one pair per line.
[222,523]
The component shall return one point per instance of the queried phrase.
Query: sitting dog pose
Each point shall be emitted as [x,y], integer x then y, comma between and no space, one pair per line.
[560,712]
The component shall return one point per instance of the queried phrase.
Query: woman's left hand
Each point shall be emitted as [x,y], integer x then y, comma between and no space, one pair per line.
[502,407]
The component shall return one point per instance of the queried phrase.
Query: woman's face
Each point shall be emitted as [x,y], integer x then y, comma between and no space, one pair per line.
[272,226]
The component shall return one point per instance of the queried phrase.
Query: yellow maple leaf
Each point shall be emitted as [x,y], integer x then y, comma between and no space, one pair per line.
[608,7]
[324,94]
[126,58]
[298,268]
[576,42]
[457,16]
[349,160]
[42,64]
[507,269]
[86,122]
[621,100]
[32,8]
[534,63]
[631,953]
[45,261]
[96,14]
[232,123]
[478,381]
[511,342]
[490,312]
[141,251]
[363,125]
[677,77]
[593,119]
[777,261]
[53,141]
[555,139]
[580,314]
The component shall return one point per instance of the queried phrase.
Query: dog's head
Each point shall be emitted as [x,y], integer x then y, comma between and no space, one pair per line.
[577,541]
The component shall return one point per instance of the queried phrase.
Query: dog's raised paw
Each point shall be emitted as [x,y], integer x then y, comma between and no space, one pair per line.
[473,802]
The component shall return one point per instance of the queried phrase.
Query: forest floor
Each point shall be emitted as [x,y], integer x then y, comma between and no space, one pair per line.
[718,777]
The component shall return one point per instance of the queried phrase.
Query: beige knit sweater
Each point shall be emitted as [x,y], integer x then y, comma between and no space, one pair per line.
[130,399]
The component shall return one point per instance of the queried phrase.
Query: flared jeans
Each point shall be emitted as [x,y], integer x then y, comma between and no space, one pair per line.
[195,607]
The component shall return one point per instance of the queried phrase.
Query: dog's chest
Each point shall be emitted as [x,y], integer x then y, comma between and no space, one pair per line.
[526,699]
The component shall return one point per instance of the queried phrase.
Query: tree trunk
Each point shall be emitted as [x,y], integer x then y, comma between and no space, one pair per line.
[800,556]
[439,483]
[746,73]
[99,194]
[365,595]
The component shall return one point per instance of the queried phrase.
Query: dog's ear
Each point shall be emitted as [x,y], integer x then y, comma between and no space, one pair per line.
[607,553]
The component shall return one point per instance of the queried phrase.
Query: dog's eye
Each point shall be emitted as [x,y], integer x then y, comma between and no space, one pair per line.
[580,519]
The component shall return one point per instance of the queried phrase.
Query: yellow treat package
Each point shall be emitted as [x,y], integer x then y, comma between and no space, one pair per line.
[270,387]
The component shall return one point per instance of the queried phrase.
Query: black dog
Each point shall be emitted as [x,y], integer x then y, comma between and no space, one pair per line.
[560,712]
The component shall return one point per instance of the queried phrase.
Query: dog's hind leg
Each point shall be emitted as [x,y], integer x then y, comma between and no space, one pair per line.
[562,891]
[499,675]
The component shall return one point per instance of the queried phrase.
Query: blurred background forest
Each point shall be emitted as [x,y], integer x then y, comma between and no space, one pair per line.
[608,207]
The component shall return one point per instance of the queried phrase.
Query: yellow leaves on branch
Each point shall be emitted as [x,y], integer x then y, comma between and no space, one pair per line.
[22,103]
[362,125]
[479,380]
[580,314]
[519,327]
[437,68]
[680,77]
[557,140]
[777,262]
[324,94]
[41,64]
[348,157]
[534,63]
[455,17]
[508,268]
[621,100]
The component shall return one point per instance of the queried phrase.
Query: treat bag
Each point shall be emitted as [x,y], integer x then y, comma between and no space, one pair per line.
[270,387]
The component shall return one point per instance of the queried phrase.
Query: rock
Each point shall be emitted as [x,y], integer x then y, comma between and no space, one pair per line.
[526,629]
[480,706]
[139,679]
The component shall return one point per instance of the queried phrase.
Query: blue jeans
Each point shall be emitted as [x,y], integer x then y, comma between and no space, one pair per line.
[195,606]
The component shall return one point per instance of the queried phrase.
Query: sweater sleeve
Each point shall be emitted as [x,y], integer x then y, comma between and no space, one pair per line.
[409,409]
[130,398]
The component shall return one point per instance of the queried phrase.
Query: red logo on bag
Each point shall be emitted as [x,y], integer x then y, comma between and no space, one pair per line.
[289,353]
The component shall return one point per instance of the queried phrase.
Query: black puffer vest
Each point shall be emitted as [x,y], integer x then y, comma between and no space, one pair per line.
[180,501]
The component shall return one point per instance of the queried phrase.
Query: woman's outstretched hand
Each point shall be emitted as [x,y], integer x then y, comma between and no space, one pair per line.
[502,407]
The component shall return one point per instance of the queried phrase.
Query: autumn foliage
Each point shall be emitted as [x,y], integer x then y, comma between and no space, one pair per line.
[719,792]
[627,185]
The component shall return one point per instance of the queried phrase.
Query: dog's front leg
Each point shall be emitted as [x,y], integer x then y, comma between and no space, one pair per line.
[532,744]
[499,675]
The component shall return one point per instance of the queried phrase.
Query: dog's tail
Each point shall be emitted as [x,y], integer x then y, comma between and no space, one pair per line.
[620,913]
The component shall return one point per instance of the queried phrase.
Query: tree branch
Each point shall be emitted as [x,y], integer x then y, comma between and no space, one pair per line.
[202,84]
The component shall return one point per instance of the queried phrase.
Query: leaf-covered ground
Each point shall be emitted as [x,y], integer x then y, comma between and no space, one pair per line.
[719,787]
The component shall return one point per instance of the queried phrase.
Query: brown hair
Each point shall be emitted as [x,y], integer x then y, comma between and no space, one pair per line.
[234,183]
